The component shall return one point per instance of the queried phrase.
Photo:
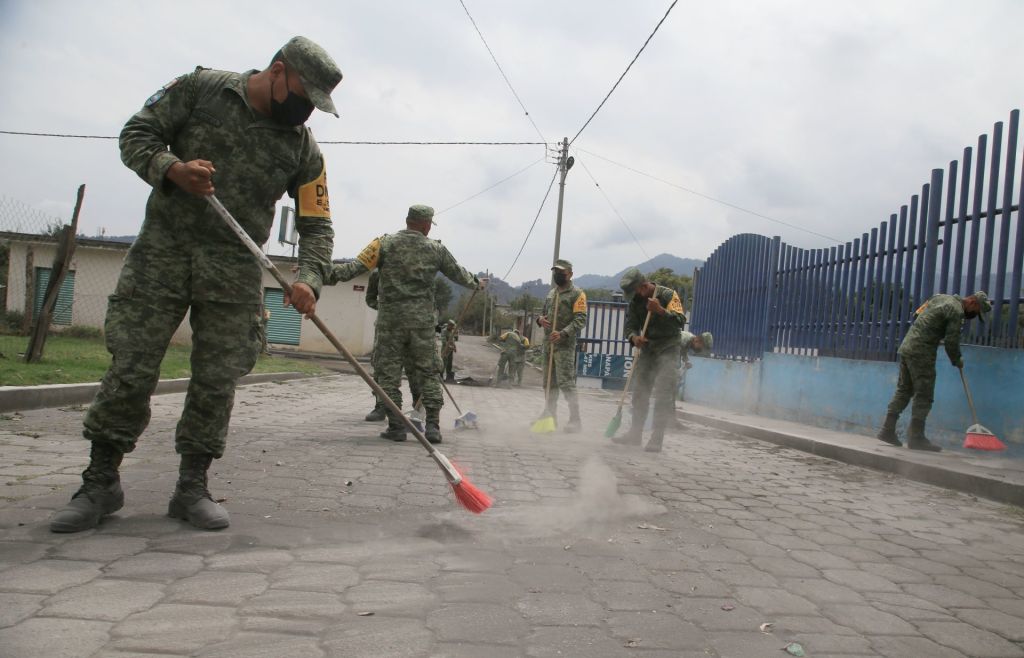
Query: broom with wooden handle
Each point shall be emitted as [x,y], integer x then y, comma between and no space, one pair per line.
[978,436]
[546,423]
[616,422]
[470,497]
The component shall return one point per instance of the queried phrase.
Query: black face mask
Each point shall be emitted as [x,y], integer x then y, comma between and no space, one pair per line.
[561,278]
[970,315]
[293,111]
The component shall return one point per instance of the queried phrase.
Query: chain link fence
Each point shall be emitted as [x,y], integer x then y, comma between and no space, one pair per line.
[28,248]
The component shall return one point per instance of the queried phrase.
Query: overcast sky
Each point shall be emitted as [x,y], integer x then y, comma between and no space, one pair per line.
[824,115]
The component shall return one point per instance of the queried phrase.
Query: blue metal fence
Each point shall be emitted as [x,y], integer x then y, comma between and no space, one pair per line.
[857,299]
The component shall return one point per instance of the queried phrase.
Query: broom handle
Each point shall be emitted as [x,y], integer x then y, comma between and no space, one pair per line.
[264,260]
[450,396]
[970,400]
[629,377]
[551,353]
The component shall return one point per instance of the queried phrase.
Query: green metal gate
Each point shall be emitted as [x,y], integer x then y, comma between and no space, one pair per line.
[285,324]
[65,298]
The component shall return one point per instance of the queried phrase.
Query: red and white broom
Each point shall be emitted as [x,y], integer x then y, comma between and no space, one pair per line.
[470,497]
[978,437]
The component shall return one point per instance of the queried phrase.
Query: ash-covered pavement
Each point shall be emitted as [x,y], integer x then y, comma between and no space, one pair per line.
[343,544]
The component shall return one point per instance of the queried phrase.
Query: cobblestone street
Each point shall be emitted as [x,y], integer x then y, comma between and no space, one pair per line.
[343,544]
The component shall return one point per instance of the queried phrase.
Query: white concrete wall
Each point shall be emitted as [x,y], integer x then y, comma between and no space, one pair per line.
[96,270]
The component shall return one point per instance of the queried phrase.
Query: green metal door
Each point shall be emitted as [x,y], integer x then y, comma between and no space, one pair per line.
[65,298]
[285,324]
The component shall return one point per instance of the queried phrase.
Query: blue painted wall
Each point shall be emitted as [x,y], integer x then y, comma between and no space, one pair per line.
[852,395]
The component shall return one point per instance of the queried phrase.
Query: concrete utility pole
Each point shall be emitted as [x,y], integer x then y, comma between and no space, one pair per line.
[564,165]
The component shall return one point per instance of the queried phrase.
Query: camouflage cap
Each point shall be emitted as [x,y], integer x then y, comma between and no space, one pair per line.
[709,340]
[562,264]
[984,305]
[420,213]
[631,280]
[318,72]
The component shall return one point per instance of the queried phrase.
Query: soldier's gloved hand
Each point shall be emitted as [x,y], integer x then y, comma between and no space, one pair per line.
[959,363]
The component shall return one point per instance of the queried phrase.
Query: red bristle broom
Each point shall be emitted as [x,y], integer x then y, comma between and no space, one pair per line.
[470,497]
[978,437]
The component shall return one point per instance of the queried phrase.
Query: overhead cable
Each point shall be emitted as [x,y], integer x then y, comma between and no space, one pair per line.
[321,142]
[539,210]
[651,36]
[491,187]
[501,70]
[614,209]
[710,198]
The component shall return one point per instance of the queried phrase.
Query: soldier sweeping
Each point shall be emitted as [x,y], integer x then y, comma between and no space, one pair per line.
[408,262]
[938,320]
[244,132]
[570,317]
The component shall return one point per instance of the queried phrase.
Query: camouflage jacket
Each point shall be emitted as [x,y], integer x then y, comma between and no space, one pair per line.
[938,320]
[571,316]
[448,339]
[207,115]
[373,290]
[408,262]
[686,339]
[662,329]
[512,343]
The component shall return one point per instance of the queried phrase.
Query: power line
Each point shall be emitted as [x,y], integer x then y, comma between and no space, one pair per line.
[500,70]
[488,189]
[710,198]
[539,210]
[614,209]
[635,57]
[352,143]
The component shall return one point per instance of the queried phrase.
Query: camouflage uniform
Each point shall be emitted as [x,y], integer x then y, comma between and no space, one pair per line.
[519,362]
[371,297]
[408,262]
[939,320]
[511,344]
[449,336]
[568,319]
[657,364]
[185,259]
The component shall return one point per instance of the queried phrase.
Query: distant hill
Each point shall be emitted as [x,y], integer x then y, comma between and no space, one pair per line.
[683,266]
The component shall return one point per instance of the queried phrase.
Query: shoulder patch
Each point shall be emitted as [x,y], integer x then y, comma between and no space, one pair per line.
[370,254]
[152,100]
[580,306]
[675,305]
[312,198]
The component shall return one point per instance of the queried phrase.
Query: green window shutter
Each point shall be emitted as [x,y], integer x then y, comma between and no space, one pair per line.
[285,324]
[65,298]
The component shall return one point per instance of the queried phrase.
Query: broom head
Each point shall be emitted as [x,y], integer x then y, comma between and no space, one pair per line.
[543,425]
[614,424]
[466,421]
[469,496]
[979,438]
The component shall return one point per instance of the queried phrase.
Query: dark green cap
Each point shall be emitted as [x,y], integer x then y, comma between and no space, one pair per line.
[421,213]
[562,264]
[708,341]
[983,301]
[318,72]
[631,280]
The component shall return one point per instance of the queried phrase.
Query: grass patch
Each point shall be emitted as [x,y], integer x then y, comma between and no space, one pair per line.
[72,360]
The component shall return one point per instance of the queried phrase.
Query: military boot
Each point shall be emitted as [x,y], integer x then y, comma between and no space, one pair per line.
[916,440]
[99,495]
[395,432]
[654,444]
[433,431]
[633,437]
[378,414]
[888,431]
[574,426]
[192,501]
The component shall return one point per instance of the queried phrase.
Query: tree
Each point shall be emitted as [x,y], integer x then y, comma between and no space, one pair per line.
[598,294]
[683,285]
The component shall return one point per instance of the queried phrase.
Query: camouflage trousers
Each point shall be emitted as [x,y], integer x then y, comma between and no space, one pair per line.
[563,374]
[505,367]
[415,388]
[448,366]
[657,373]
[225,345]
[415,351]
[917,382]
